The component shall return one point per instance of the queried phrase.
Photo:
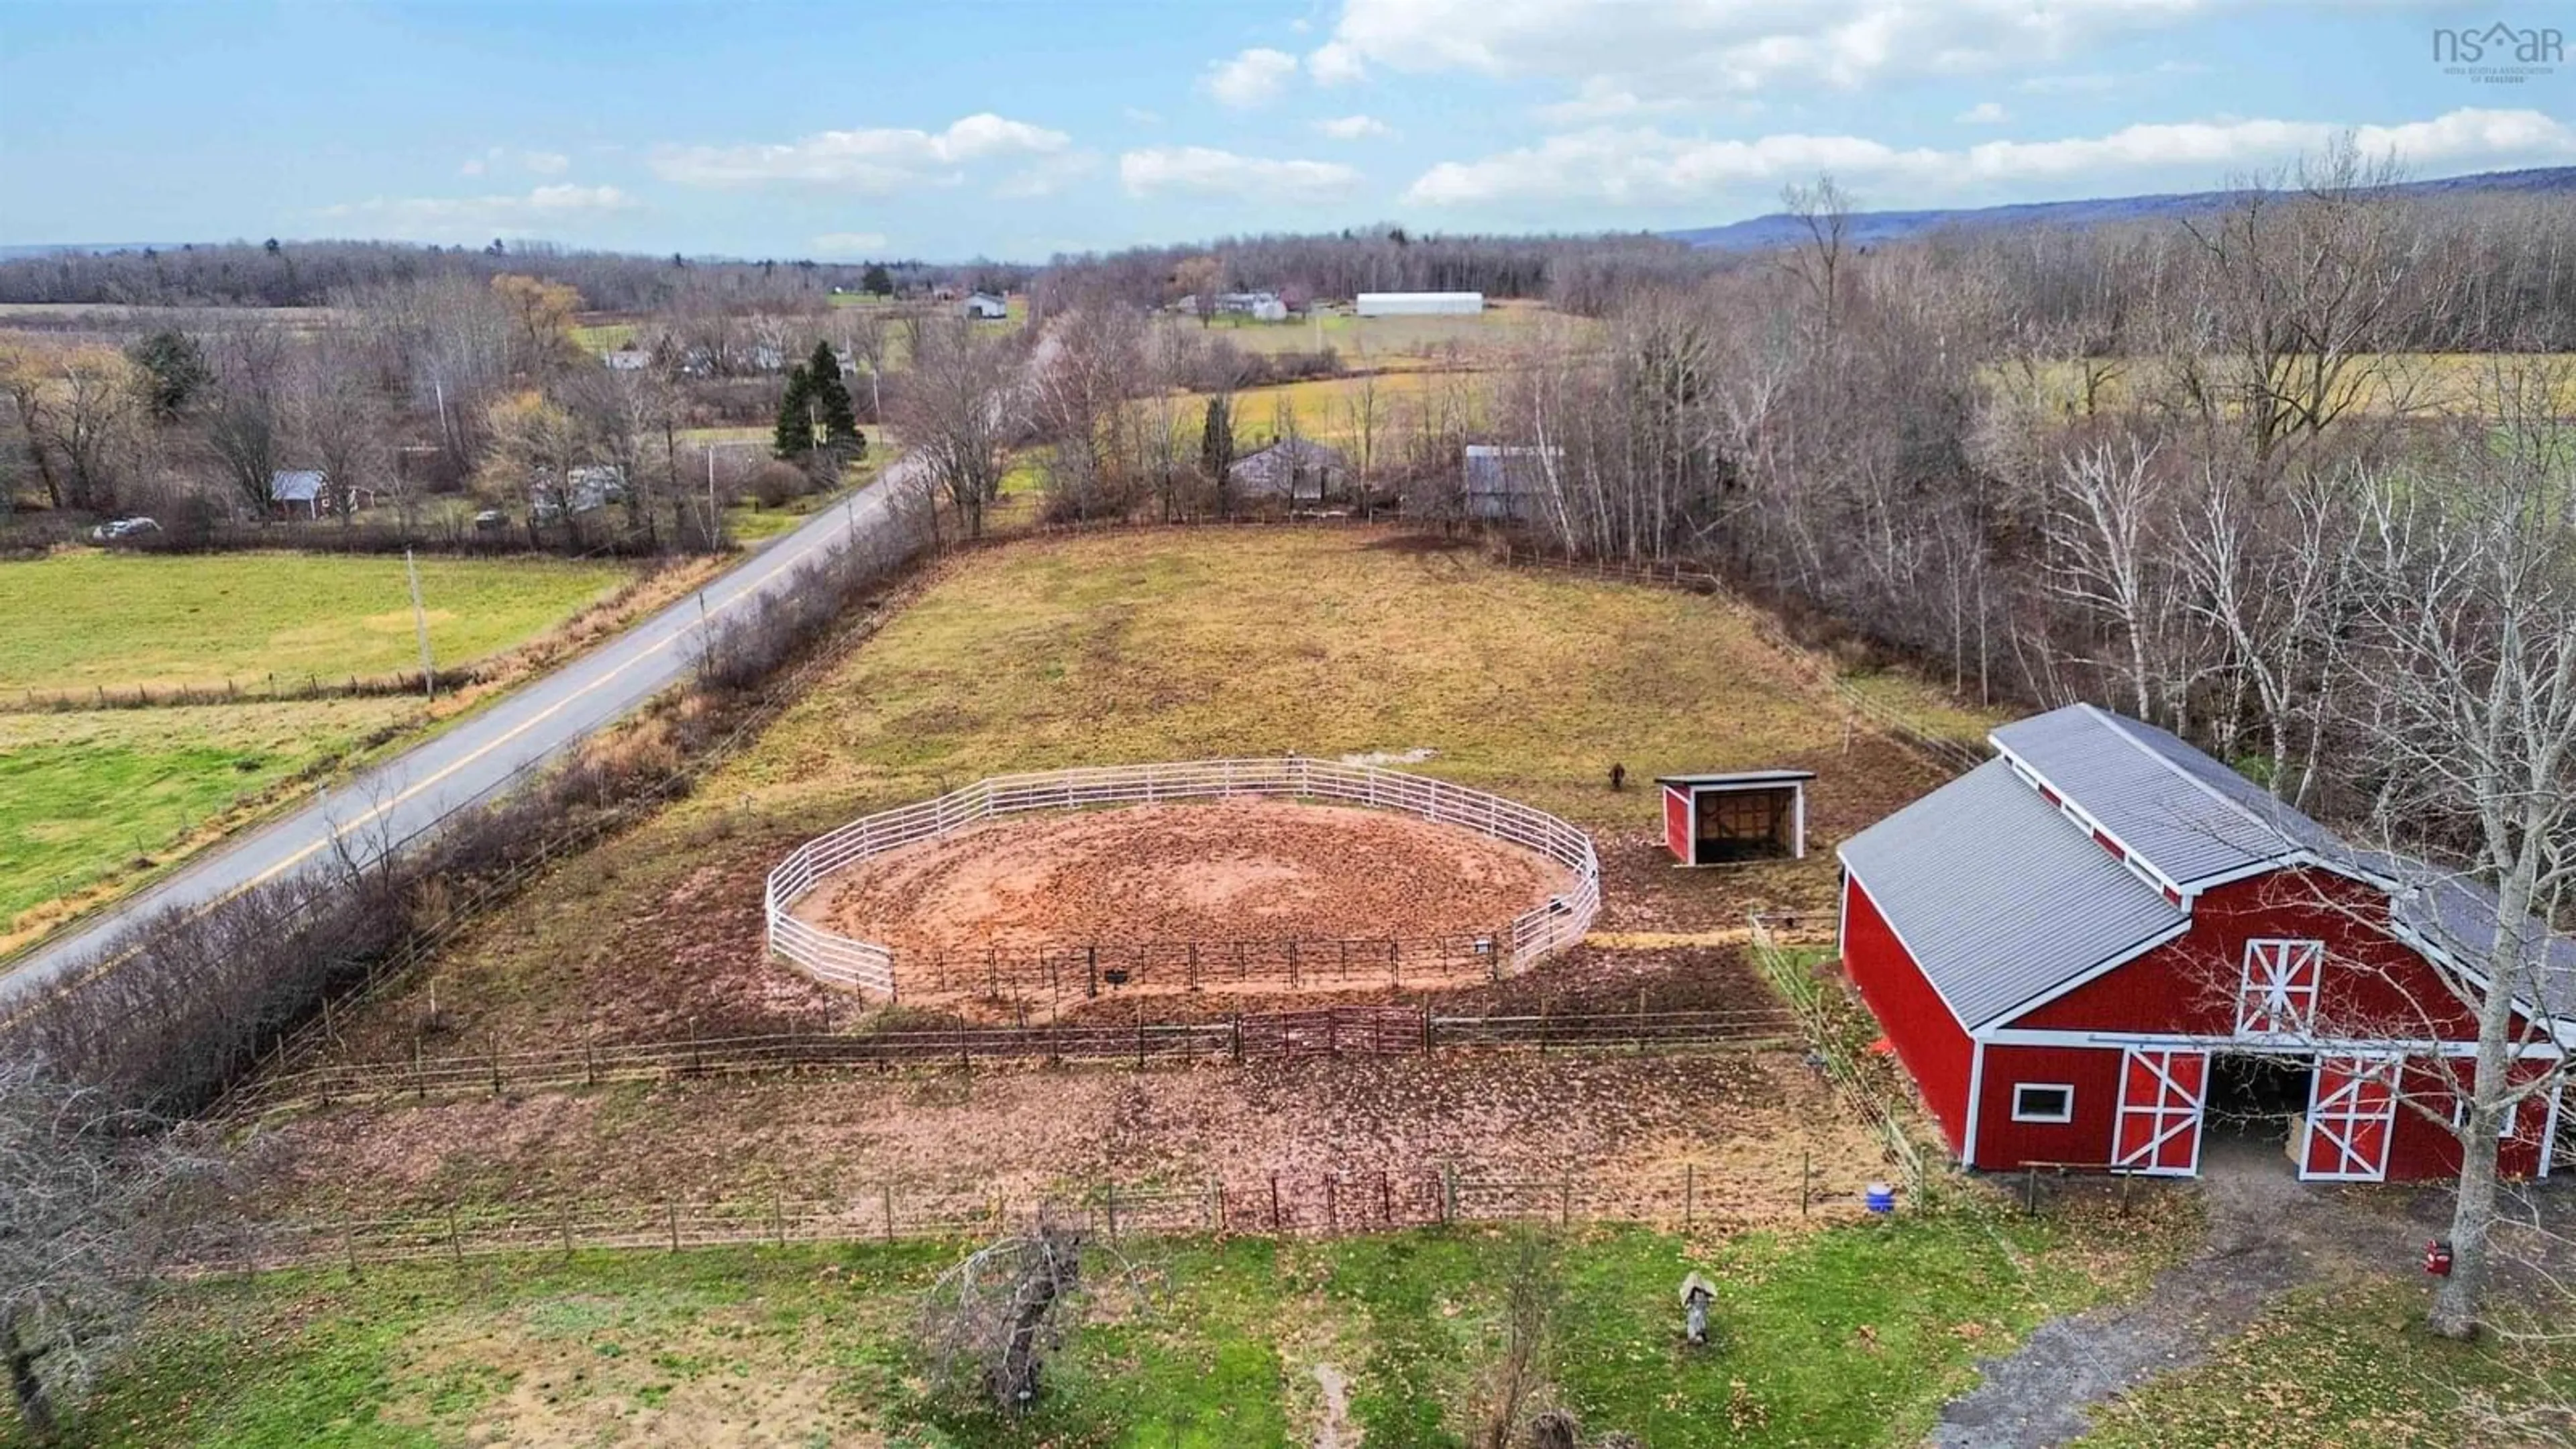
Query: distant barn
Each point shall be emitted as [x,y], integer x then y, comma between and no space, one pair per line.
[1418,304]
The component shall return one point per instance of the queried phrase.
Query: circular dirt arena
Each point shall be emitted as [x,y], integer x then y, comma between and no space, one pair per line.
[1235,870]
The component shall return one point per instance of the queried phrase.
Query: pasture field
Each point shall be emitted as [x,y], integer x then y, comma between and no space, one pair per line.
[1849,1336]
[1322,408]
[1183,644]
[2401,384]
[82,619]
[1384,339]
[81,793]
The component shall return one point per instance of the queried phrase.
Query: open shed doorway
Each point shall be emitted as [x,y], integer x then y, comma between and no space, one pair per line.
[2257,1100]
[1746,815]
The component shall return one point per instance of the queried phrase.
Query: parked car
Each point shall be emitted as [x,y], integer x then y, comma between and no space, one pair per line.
[123,528]
[489,519]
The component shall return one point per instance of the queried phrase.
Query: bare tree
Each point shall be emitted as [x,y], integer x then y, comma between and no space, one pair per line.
[955,413]
[997,1316]
[2472,724]
[1529,1311]
[2101,517]
[80,1182]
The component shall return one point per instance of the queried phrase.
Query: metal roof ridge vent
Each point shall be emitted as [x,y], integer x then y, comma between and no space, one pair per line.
[2119,727]
[2101,836]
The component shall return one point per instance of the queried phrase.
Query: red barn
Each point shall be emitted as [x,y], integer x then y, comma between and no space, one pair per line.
[2102,945]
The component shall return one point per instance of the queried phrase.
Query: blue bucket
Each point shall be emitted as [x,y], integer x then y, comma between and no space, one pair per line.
[1879,1198]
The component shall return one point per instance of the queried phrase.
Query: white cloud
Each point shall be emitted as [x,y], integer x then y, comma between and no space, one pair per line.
[1141,116]
[1602,100]
[849,243]
[502,158]
[438,218]
[1253,78]
[1985,113]
[879,160]
[1203,171]
[1354,128]
[1666,50]
[1334,64]
[1647,167]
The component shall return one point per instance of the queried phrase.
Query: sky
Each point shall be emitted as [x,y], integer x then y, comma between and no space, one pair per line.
[1023,129]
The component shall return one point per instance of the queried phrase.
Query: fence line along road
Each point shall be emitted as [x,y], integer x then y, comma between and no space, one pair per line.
[844,961]
[1344,1031]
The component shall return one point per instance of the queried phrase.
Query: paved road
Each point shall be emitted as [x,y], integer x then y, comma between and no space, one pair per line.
[397,798]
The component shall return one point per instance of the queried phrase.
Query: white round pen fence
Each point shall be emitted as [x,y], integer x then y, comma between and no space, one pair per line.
[839,960]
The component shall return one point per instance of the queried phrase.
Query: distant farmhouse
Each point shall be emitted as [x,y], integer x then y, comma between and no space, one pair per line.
[1297,470]
[627,359]
[1418,304]
[985,307]
[1506,483]
[307,493]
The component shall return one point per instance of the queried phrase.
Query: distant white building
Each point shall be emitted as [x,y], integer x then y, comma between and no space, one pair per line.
[1417,304]
[627,359]
[985,307]
[1259,306]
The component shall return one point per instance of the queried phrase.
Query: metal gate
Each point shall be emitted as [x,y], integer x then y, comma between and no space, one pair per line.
[1335,1031]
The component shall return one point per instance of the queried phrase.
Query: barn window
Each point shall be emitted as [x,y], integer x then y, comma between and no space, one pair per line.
[2043,1102]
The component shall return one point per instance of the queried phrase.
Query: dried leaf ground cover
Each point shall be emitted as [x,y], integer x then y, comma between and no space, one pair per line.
[1849,1337]
[1175,645]
[1614,1130]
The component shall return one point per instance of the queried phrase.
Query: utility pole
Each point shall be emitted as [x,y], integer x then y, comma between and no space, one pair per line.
[420,623]
[713,521]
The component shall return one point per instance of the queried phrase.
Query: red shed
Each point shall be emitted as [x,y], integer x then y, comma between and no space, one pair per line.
[1748,815]
[2103,945]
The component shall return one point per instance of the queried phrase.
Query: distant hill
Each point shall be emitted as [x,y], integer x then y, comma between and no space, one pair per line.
[1867,227]
[55,249]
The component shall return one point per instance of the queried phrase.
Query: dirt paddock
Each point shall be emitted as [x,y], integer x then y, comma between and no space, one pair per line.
[1225,874]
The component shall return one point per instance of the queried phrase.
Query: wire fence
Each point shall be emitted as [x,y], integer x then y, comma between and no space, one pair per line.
[1688,1196]
[1343,1031]
[1056,974]
[839,960]
[1838,1034]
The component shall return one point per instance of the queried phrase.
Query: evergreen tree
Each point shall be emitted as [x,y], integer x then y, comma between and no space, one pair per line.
[1216,444]
[831,399]
[878,280]
[794,437]
[174,371]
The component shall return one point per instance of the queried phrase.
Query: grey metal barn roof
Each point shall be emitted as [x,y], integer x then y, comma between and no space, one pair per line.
[2187,816]
[1746,778]
[1998,896]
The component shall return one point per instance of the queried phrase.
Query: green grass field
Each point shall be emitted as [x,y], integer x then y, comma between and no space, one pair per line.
[2349,1363]
[1383,339]
[1850,1336]
[1181,645]
[83,793]
[82,619]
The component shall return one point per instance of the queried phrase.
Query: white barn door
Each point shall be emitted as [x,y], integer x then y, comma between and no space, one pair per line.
[2352,1118]
[2158,1132]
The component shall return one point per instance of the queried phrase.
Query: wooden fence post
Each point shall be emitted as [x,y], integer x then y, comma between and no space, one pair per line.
[1565,1203]
[1690,1192]
[567,1227]
[887,1201]
[1274,1202]
[455,1240]
[1385,1198]
[1806,1166]
[492,1044]
[1109,1200]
